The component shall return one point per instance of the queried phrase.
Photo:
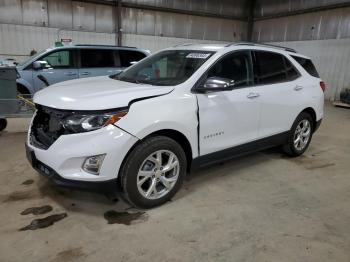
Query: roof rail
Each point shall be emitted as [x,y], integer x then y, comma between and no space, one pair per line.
[183,44]
[263,45]
[105,45]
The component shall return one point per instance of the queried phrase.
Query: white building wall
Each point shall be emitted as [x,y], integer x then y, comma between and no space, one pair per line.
[18,40]
[155,43]
[332,60]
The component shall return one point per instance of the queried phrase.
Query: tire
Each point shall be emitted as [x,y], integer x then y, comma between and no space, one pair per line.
[147,181]
[3,124]
[293,148]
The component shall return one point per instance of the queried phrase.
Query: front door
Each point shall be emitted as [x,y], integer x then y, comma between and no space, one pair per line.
[229,118]
[60,67]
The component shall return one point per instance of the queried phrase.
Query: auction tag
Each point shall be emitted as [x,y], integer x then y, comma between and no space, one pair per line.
[198,55]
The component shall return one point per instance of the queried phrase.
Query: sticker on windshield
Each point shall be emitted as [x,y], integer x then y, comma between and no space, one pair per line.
[198,55]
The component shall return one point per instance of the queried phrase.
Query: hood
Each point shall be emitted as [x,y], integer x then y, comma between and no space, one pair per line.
[95,93]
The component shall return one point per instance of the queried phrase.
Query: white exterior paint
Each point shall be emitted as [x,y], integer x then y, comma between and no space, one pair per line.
[332,60]
[240,117]
[105,92]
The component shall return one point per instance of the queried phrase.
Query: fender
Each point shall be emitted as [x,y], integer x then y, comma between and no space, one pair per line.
[26,84]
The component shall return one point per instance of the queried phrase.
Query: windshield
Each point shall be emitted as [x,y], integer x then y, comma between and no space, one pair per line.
[167,68]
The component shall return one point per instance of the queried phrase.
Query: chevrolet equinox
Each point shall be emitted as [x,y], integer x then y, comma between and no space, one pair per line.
[184,107]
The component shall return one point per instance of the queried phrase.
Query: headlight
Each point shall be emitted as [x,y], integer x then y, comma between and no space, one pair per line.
[78,123]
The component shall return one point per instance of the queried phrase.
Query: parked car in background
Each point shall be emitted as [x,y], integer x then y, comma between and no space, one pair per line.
[71,62]
[8,62]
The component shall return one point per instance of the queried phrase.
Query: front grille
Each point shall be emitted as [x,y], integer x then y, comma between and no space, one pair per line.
[47,126]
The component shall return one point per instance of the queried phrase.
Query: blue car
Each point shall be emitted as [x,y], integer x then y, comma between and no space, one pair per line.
[71,62]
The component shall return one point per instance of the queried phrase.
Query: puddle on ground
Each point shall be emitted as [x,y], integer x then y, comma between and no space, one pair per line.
[125,218]
[28,182]
[44,222]
[69,255]
[19,195]
[311,163]
[37,210]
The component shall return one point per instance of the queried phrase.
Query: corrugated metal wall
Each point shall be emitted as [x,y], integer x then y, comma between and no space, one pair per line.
[37,24]
[155,43]
[322,35]
[145,22]
[272,7]
[332,24]
[17,40]
[223,7]
[332,59]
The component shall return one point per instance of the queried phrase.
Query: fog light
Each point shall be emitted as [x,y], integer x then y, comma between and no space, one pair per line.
[93,164]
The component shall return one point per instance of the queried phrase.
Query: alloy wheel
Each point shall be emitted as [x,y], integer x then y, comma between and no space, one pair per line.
[302,134]
[158,174]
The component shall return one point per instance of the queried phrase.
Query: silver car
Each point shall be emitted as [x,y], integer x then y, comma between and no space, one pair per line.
[71,62]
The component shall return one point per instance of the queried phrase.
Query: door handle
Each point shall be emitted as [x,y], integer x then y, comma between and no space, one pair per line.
[85,73]
[70,74]
[253,95]
[297,88]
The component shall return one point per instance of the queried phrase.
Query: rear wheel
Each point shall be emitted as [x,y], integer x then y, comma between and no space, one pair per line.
[153,172]
[300,135]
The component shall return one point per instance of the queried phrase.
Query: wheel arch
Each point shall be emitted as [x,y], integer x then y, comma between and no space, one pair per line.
[23,87]
[312,113]
[180,138]
[177,136]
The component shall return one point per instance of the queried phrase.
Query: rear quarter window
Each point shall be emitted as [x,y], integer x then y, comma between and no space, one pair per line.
[307,65]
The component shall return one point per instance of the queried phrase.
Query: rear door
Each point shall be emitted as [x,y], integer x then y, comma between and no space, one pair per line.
[61,66]
[280,87]
[97,62]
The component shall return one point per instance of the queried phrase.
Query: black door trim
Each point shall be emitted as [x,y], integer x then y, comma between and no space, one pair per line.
[229,153]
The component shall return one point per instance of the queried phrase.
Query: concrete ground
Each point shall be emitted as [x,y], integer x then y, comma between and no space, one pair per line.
[261,207]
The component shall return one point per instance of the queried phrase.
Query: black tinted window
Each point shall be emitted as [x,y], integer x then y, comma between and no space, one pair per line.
[269,68]
[307,65]
[236,66]
[292,73]
[128,56]
[96,58]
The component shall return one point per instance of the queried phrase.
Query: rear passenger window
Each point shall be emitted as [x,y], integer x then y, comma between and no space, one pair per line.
[96,58]
[269,68]
[307,65]
[292,73]
[129,56]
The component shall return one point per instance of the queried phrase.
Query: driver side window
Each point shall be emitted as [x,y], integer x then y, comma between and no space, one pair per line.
[59,59]
[236,66]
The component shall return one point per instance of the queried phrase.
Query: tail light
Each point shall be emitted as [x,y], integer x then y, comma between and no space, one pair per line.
[323,86]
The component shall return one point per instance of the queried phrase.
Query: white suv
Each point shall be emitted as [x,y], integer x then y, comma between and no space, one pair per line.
[184,107]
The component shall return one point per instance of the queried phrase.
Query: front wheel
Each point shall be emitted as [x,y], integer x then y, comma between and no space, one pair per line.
[153,172]
[300,135]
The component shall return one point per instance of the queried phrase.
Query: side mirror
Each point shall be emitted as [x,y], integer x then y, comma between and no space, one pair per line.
[214,84]
[37,65]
